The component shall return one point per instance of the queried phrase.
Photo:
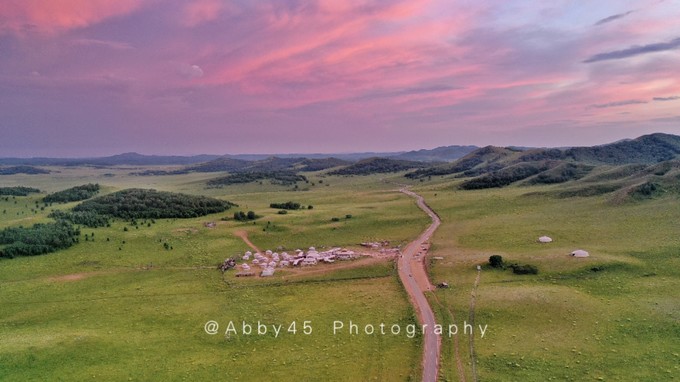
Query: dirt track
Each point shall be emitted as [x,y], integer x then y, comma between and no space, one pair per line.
[407,267]
[244,236]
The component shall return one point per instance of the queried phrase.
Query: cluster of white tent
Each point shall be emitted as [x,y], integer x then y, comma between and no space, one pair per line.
[271,260]
[576,253]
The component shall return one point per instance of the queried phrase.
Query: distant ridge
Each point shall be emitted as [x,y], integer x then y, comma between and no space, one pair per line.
[133,159]
[439,154]
[491,166]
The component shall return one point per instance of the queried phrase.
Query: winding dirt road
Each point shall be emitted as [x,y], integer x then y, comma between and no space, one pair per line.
[432,342]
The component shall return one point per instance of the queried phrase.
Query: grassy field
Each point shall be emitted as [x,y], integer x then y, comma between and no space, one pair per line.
[122,307]
[612,316]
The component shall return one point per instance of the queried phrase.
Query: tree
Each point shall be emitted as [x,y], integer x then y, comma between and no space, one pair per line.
[496,261]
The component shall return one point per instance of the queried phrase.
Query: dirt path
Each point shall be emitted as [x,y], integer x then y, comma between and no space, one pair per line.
[407,268]
[244,236]
[473,298]
[419,269]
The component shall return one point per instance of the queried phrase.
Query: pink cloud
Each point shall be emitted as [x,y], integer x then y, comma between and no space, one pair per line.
[55,16]
[199,12]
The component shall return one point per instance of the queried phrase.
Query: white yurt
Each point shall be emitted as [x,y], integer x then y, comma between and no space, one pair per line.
[545,239]
[580,253]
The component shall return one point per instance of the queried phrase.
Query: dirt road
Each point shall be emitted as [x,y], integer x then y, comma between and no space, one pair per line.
[432,343]
[244,236]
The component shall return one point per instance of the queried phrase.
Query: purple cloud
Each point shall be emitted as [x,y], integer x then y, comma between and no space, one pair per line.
[671,98]
[613,18]
[618,103]
[635,50]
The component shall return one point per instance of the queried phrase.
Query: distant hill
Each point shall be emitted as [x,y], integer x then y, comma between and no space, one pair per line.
[651,148]
[133,159]
[220,164]
[29,170]
[321,164]
[480,161]
[498,166]
[229,164]
[439,154]
[378,166]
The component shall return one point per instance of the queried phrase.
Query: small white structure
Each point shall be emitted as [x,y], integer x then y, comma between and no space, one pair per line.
[268,252]
[272,264]
[580,253]
[267,272]
[309,261]
[248,253]
[246,257]
[344,254]
[284,263]
[245,267]
[256,261]
[545,239]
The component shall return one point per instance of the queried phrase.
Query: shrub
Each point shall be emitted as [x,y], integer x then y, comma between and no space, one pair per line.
[496,261]
[524,269]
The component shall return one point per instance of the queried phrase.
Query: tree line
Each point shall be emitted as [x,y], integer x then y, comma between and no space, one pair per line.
[18,191]
[38,239]
[73,194]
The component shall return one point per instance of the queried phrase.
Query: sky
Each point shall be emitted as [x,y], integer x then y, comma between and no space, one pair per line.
[101,77]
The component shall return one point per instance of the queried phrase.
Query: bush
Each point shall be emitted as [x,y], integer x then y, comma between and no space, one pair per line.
[286,206]
[282,212]
[242,216]
[496,261]
[335,219]
[524,269]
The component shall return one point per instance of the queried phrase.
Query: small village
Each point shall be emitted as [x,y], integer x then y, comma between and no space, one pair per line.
[265,264]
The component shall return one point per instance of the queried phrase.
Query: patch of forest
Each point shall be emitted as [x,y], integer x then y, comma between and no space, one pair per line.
[275,177]
[17,191]
[73,194]
[38,239]
[136,203]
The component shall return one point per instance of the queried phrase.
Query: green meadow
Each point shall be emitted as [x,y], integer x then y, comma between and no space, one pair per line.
[612,316]
[123,305]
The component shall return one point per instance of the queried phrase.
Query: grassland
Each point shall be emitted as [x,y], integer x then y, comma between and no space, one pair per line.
[612,316]
[122,307]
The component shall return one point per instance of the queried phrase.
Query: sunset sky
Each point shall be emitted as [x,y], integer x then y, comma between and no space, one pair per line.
[101,77]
